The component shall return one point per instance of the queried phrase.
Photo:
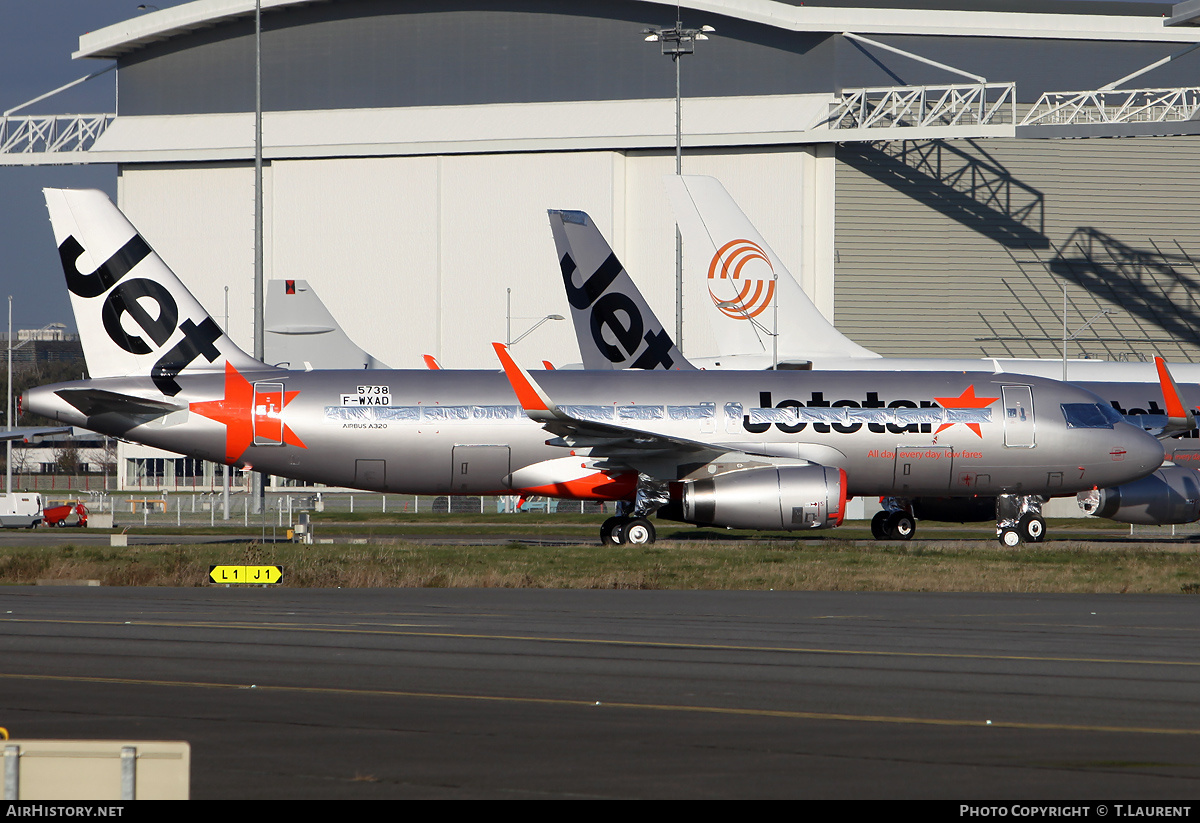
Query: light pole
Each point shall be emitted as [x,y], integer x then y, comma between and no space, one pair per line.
[535,327]
[258,479]
[225,467]
[508,338]
[677,42]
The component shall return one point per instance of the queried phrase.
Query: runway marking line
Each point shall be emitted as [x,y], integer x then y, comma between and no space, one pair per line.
[608,642]
[655,707]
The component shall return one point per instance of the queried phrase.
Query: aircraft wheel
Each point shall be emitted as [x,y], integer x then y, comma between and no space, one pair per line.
[639,532]
[611,531]
[61,523]
[901,526]
[1033,528]
[1010,537]
[879,526]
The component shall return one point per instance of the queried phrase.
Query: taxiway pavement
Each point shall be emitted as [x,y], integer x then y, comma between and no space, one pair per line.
[423,693]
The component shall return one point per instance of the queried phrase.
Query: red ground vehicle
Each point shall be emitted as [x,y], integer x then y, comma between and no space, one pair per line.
[57,515]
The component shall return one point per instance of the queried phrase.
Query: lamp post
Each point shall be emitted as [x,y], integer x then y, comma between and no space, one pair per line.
[258,483]
[677,42]
[535,327]
[225,468]
[508,338]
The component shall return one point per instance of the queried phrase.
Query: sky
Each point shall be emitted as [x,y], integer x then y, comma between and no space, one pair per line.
[37,38]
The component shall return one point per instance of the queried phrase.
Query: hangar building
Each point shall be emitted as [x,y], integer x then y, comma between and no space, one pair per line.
[912,165]
[413,147]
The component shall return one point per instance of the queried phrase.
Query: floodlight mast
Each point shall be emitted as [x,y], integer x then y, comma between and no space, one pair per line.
[677,42]
[258,482]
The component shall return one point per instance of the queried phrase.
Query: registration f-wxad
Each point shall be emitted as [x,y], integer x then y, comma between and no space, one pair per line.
[760,450]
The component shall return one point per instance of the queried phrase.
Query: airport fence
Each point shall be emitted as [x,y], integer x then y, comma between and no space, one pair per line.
[1164,532]
[282,509]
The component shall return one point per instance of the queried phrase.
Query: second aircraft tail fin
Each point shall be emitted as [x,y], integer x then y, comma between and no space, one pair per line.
[615,327]
[722,246]
[301,331]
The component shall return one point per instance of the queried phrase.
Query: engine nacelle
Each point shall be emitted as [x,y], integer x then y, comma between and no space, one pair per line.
[786,497]
[1168,497]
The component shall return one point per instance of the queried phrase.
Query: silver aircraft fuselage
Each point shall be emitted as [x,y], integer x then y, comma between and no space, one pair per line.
[465,432]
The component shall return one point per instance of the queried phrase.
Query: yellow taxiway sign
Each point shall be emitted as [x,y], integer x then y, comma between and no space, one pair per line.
[254,575]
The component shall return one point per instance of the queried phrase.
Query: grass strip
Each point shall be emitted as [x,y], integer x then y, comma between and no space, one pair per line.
[801,565]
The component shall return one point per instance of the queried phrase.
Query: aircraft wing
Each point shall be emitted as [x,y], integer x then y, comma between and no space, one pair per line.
[1178,418]
[648,452]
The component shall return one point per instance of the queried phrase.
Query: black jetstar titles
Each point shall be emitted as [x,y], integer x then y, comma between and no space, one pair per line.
[131,297]
[848,416]
[617,313]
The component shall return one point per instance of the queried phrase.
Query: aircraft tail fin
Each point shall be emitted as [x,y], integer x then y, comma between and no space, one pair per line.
[301,331]
[615,327]
[722,247]
[134,315]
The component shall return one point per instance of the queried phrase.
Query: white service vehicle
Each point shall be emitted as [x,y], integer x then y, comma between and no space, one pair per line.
[20,510]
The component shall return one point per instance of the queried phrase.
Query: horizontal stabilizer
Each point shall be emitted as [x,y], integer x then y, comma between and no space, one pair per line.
[38,431]
[100,401]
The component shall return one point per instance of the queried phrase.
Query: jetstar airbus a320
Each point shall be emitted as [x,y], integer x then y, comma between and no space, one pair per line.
[700,447]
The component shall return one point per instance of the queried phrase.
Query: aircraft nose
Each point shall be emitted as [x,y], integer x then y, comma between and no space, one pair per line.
[1142,452]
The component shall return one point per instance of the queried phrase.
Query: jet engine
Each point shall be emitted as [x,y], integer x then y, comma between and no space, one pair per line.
[1169,496]
[785,497]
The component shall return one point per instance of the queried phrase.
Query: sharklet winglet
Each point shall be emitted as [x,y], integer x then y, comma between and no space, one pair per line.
[536,403]
[1177,413]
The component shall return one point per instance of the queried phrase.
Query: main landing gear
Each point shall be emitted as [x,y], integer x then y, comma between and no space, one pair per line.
[1019,519]
[632,526]
[632,531]
[893,525]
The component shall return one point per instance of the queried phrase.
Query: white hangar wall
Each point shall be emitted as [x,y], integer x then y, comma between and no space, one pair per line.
[413,255]
[934,245]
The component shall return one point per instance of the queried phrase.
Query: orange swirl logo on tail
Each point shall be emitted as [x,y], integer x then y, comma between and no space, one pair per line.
[748,290]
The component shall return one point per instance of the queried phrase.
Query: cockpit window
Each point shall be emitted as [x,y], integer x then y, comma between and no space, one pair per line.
[1090,415]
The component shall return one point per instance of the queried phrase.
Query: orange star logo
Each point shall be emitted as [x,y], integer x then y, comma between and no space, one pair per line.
[966,400]
[236,411]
